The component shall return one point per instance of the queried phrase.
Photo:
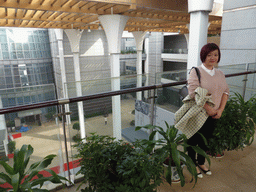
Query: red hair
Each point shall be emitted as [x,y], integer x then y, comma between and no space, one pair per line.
[206,49]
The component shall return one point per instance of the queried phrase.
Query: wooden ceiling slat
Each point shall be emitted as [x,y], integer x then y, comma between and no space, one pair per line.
[80,13]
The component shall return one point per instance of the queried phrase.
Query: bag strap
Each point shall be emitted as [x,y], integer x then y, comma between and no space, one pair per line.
[198,74]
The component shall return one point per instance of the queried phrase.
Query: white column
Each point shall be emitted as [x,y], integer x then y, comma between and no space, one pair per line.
[199,15]
[59,36]
[146,64]
[139,38]
[113,26]
[74,37]
[3,129]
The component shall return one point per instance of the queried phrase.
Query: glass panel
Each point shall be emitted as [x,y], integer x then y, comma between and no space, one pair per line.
[37,127]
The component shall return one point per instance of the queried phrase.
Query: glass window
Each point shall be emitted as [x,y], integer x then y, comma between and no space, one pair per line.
[1,71]
[12,47]
[25,46]
[2,32]
[15,71]
[5,55]
[36,39]
[13,55]
[34,54]
[30,38]
[17,85]
[17,79]
[20,54]
[32,46]
[1,56]
[26,54]
[2,83]
[9,85]
[19,46]
[8,80]
[7,70]
[4,46]
[3,39]
[20,100]
[11,101]
[33,99]
[27,99]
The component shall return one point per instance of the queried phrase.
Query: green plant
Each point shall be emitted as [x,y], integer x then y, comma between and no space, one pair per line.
[236,127]
[11,146]
[132,123]
[23,179]
[168,147]
[76,137]
[133,111]
[109,165]
[10,123]
[76,126]
[49,115]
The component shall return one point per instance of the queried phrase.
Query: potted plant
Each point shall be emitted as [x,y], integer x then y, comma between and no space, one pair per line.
[236,127]
[169,148]
[76,137]
[109,165]
[23,179]
[11,148]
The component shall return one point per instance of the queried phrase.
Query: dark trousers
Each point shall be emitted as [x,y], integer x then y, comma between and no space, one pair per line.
[197,140]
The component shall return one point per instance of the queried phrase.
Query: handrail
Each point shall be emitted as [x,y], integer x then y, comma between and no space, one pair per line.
[100,95]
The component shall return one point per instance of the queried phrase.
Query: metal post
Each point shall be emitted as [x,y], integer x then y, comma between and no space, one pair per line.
[245,80]
[152,106]
[65,138]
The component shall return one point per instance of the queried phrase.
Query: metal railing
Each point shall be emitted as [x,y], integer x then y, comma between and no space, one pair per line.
[62,102]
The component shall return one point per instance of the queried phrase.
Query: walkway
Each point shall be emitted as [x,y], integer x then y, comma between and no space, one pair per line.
[235,172]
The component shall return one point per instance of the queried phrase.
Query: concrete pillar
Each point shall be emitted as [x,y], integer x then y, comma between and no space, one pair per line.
[199,15]
[113,26]
[139,38]
[146,70]
[3,129]
[74,37]
[59,36]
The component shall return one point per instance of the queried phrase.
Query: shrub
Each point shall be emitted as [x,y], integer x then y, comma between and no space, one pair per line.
[11,146]
[109,165]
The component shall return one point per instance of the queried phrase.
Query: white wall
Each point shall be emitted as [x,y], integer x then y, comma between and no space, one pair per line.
[238,42]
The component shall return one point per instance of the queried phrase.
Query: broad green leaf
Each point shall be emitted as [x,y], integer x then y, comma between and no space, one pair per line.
[15,182]
[6,178]
[152,135]
[7,168]
[201,152]
[28,153]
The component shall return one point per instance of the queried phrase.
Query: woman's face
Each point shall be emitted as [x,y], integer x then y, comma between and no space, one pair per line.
[211,59]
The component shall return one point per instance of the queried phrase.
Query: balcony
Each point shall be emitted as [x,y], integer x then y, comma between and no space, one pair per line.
[54,135]
[179,55]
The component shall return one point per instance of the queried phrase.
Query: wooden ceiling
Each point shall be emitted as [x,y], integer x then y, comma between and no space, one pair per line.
[145,15]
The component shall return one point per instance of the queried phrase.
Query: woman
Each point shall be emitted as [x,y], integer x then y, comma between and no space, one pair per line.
[214,81]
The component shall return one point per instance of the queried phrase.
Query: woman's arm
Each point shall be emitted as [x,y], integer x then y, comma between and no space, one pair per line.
[223,102]
[210,110]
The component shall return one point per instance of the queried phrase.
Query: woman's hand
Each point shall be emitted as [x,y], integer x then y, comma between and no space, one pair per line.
[210,110]
[218,114]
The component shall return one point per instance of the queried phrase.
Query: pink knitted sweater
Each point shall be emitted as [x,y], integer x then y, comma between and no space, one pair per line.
[216,84]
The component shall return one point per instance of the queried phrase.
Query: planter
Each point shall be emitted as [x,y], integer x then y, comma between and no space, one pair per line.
[175,175]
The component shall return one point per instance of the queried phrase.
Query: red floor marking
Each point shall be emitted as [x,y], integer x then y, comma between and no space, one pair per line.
[10,155]
[72,165]
[16,135]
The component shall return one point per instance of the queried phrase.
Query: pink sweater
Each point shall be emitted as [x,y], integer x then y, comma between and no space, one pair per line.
[216,84]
